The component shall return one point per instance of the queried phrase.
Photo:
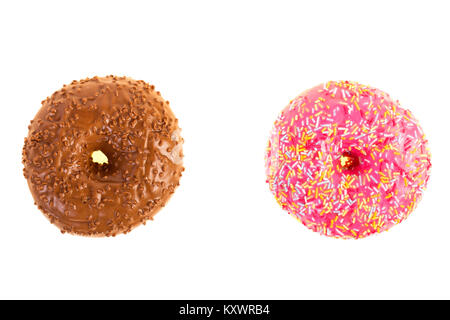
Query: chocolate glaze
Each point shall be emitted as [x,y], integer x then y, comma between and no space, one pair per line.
[133,126]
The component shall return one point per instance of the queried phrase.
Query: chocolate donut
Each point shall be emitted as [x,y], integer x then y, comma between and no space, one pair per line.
[103,155]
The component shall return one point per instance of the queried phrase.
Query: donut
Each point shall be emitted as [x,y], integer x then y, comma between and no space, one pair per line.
[346,160]
[103,155]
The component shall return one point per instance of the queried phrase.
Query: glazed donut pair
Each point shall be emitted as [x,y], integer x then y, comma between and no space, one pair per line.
[103,155]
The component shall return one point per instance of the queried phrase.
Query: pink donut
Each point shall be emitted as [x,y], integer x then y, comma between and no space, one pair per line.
[346,160]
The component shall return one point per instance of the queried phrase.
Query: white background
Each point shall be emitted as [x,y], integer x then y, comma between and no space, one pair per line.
[228,68]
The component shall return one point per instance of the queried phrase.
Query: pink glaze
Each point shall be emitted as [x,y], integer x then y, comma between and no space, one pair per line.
[346,160]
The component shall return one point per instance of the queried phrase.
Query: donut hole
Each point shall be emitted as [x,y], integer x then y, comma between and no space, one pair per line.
[99,157]
[103,160]
[349,161]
